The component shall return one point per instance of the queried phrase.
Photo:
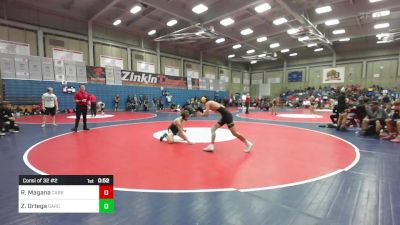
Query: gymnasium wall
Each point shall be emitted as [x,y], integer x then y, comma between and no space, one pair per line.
[74,33]
[109,50]
[382,70]
[20,35]
[55,41]
[144,52]
[143,57]
[34,89]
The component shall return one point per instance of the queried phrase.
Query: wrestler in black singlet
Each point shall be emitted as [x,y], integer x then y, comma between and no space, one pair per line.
[226,118]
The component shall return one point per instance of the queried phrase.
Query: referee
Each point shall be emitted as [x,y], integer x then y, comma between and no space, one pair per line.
[82,99]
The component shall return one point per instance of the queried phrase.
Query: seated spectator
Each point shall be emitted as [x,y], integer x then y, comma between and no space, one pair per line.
[393,124]
[7,119]
[335,116]
[374,120]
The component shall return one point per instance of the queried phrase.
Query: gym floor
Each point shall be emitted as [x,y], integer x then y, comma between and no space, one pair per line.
[297,173]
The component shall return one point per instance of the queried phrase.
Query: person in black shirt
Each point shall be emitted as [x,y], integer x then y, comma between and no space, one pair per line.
[335,116]
[7,120]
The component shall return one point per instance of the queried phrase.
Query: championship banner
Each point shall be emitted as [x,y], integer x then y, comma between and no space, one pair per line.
[333,75]
[96,74]
[151,79]
[172,81]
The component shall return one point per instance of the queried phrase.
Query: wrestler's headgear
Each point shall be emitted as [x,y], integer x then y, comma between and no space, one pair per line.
[204,99]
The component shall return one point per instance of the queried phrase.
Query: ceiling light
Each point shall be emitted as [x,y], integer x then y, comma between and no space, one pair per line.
[253,61]
[262,55]
[172,22]
[341,31]
[274,45]
[262,8]
[305,38]
[293,54]
[261,39]
[381,13]
[331,22]
[219,40]
[280,21]
[293,31]
[318,49]
[344,39]
[231,55]
[312,45]
[237,46]
[117,22]
[151,32]
[227,21]
[285,50]
[200,8]
[246,31]
[135,9]
[323,9]
[372,1]
[250,51]
[381,25]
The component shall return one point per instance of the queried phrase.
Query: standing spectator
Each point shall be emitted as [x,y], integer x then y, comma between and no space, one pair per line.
[341,110]
[100,107]
[82,99]
[145,102]
[155,103]
[160,104]
[247,103]
[169,99]
[49,106]
[274,106]
[117,99]
[93,105]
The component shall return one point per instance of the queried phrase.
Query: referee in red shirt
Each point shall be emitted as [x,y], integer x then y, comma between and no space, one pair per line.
[82,99]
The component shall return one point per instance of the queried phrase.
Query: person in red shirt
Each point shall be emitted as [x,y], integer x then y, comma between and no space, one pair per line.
[82,99]
[93,105]
[247,103]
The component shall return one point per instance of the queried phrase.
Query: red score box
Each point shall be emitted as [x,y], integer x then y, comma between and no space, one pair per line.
[106,191]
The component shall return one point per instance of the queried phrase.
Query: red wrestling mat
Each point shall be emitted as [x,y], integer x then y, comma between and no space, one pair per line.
[295,116]
[70,118]
[282,156]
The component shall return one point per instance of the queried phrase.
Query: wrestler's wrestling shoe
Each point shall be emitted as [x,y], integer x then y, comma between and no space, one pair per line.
[249,146]
[209,148]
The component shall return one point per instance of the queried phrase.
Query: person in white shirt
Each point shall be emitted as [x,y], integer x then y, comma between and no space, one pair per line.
[306,103]
[169,100]
[49,106]
[100,107]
